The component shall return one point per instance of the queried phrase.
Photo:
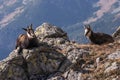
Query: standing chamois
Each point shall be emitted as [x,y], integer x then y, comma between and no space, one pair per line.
[28,40]
[97,38]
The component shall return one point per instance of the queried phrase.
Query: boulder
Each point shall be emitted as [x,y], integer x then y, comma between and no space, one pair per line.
[115,55]
[116,35]
[51,34]
[113,67]
[13,68]
[68,75]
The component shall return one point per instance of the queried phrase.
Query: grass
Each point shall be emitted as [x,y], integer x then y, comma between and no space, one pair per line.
[101,51]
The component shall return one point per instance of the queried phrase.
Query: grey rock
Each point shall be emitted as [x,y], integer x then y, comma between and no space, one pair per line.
[68,75]
[76,54]
[115,55]
[11,68]
[114,66]
[38,77]
[107,64]
[116,35]
[98,61]
[116,78]
[51,35]
[43,63]
[74,75]
[56,76]
[48,30]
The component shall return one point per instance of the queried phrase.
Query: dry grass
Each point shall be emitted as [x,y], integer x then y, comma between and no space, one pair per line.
[99,51]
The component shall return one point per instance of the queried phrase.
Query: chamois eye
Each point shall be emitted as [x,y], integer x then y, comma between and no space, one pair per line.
[31,31]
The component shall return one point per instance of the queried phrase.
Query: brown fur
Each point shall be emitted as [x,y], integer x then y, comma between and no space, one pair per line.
[24,41]
[98,38]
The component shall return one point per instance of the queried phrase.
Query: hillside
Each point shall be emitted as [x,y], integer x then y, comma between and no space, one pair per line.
[58,58]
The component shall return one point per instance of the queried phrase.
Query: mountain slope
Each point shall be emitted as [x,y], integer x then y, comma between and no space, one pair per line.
[70,15]
[58,58]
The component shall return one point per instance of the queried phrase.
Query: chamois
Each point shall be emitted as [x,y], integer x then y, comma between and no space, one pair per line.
[97,38]
[28,40]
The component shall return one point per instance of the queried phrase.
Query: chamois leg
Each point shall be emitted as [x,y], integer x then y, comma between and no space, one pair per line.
[35,44]
[18,43]
[20,50]
[16,46]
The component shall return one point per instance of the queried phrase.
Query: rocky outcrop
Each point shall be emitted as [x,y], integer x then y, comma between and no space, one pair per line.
[57,58]
[115,55]
[54,54]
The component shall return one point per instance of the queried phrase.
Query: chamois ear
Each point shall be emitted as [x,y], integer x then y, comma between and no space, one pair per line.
[85,26]
[30,27]
[24,29]
[89,26]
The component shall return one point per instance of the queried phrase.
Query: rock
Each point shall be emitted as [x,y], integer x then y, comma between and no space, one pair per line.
[68,75]
[116,33]
[57,58]
[38,77]
[43,62]
[98,61]
[117,78]
[51,34]
[78,54]
[115,55]
[107,64]
[114,66]
[31,62]
[56,76]
[12,68]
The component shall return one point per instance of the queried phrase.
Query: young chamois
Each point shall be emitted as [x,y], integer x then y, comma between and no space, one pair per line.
[28,40]
[97,38]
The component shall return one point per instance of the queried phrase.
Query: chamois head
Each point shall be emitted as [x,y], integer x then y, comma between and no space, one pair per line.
[88,30]
[30,32]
